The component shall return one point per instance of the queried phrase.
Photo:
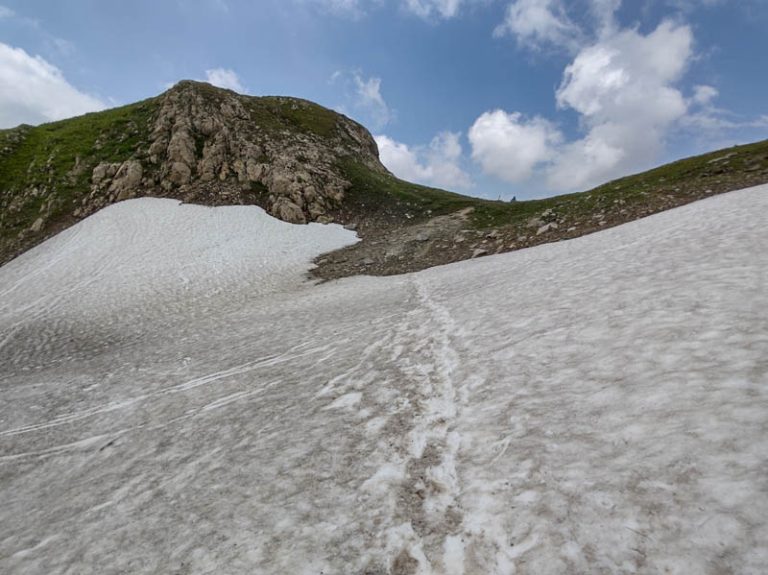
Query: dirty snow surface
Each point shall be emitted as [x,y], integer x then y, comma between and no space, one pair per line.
[177,397]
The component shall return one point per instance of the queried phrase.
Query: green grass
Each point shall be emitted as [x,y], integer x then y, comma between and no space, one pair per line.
[302,115]
[380,193]
[45,155]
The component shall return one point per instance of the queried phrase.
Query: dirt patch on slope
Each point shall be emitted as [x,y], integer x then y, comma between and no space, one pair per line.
[389,248]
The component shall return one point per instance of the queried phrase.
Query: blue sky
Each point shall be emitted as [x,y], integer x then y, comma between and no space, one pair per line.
[492,98]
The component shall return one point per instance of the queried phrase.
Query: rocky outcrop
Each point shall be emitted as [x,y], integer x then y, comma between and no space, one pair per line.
[214,146]
[195,143]
[127,180]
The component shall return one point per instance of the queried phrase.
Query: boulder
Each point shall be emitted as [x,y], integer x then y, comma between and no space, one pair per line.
[181,148]
[104,171]
[180,173]
[37,226]
[286,210]
[546,228]
[127,180]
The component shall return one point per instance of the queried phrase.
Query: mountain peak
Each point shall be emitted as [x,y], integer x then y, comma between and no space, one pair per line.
[198,87]
[195,142]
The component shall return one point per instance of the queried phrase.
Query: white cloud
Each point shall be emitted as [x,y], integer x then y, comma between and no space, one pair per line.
[370,100]
[509,146]
[437,164]
[225,78]
[6,12]
[604,13]
[713,123]
[426,9]
[691,5]
[623,87]
[352,8]
[363,98]
[33,91]
[430,8]
[703,95]
[539,22]
[705,118]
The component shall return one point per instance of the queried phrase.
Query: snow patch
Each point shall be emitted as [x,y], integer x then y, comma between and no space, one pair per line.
[595,405]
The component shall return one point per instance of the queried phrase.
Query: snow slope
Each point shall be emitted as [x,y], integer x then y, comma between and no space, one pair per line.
[177,398]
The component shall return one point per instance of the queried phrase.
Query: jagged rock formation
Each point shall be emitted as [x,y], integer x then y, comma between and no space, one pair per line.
[196,143]
[215,146]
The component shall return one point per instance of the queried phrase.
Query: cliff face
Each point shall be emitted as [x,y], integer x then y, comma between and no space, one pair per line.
[195,143]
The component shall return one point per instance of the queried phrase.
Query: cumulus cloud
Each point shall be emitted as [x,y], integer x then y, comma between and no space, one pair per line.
[33,91]
[363,98]
[437,164]
[370,100]
[703,95]
[510,146]
[705,118]
[225,78]
[624,90]
[434,8]
[622,84]
[542,23]
[539,22]
[604,14]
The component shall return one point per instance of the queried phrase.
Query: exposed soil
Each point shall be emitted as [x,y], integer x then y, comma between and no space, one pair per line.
[389,247]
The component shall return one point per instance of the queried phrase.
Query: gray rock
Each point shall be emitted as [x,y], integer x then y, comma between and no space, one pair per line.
[127,180]
[99,173]
[546,228]
[104,171]
[181,148]
[287,211]
[180,174]
[254,170]
[37,226]
[479,252]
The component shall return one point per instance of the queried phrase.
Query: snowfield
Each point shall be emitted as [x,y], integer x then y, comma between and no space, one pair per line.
[177,397]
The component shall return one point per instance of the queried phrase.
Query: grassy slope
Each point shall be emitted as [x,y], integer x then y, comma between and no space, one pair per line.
[44,157]
[660,188]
